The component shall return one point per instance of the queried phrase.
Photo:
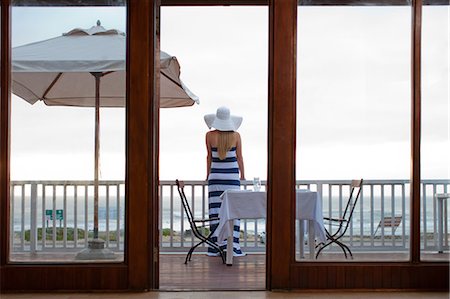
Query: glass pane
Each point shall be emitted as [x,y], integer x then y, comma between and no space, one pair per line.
[435,139]
[67,199]
[353,122]
[223,53]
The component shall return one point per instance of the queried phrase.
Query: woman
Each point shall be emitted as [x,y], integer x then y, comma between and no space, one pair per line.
[225,166]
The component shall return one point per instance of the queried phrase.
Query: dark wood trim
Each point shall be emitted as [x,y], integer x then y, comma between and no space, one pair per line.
[416,28]
[142,149]
[64,277]
[213,2]
[226,2]
[281,141]
[301,2]
[368,2]
[375,275]
[4,133]
[154,151]
[71,2]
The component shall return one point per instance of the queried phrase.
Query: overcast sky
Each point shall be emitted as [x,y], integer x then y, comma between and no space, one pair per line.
[353,94]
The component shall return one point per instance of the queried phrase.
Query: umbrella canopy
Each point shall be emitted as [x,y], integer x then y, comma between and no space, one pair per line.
[59,71]
[87,68]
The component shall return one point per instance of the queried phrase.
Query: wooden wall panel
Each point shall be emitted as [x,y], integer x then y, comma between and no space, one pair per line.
[63,277]
[370,276]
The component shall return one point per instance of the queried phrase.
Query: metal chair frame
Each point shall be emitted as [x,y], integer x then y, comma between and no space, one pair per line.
[195,229]
[343,222]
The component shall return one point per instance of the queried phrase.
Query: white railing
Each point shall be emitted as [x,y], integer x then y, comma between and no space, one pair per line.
[58,215]
[65,210]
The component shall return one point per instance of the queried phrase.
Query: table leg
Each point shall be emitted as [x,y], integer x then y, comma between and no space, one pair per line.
[440,227]
[312,239]
[301,237]
[230,244]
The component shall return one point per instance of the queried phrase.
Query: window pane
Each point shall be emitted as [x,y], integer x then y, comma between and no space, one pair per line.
[60,212]
[353,122]
[435,143]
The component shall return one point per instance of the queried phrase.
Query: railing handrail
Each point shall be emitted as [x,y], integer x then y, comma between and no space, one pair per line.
[165,182]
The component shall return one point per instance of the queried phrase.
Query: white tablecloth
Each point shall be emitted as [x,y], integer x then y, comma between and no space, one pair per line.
[309,207]
[242,204]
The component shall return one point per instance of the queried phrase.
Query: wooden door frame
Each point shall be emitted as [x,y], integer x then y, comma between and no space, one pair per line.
[284,272]
[281,142]
[139,269]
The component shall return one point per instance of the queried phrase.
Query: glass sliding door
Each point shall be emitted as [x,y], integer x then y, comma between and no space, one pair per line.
[67,165]
[353,122]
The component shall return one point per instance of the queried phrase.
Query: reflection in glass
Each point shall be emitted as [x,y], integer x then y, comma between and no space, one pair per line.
[353,122]
[67,191]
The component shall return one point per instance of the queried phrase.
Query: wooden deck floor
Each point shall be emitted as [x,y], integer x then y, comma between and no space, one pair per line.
[209,273]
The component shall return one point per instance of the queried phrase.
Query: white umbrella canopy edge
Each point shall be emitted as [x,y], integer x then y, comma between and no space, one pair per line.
[45,71]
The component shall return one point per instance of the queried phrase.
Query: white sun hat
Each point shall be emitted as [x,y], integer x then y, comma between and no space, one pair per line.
[223,120]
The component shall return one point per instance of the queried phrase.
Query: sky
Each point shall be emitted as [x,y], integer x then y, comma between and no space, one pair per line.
[353,94]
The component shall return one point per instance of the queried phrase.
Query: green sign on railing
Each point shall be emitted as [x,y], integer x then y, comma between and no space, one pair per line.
[59,214]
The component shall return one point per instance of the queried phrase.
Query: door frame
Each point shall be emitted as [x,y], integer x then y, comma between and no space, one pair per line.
[284,271]
[140,267]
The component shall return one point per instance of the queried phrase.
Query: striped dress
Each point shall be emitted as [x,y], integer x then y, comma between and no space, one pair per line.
[224,175]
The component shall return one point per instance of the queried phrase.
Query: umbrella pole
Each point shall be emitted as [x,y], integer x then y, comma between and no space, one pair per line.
[97,76]
[96,247]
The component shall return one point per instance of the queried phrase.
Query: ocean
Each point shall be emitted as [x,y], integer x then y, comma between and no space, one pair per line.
[364,221]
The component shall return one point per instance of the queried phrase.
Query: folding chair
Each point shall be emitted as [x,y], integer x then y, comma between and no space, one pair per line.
[343,222]
[392,222]
[195,229]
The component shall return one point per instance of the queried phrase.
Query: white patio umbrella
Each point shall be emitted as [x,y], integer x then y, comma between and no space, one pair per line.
[87,68]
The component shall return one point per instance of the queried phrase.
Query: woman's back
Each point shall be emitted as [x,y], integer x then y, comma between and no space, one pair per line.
[222,141]
[225,168]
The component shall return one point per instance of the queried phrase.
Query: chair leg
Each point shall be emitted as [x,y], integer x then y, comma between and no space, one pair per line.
[191,251]
[212,244]
[333,239]
[342,245]
[322,248]
[344,248]
[189,254]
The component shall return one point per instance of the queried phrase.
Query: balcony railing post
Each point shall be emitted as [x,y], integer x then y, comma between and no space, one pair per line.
[33,220]
[320,190]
